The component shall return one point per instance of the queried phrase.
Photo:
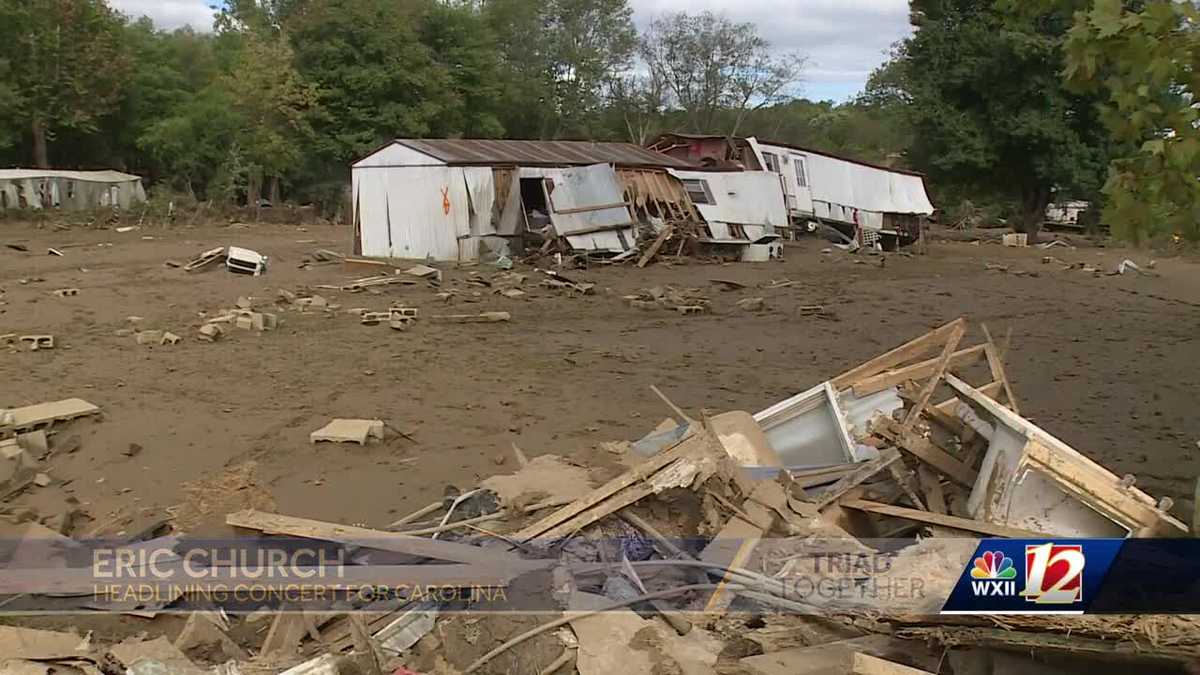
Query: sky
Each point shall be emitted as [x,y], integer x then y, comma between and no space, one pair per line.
[843,39]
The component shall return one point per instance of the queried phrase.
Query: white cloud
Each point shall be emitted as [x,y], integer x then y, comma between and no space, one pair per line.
[844,39]
[169,14]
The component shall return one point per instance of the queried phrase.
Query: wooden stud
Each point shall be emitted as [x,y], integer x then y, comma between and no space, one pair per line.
[905,352]
[931,485]
[996,364]
[914,414]
[953,522]
[917,371]
[858,477]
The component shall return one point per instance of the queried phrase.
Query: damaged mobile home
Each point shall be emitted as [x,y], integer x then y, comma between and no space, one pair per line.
[452,199]
[50,188]
[863,199]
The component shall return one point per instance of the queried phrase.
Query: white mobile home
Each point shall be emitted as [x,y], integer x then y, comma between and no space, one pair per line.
[816,185]
[448,199]
[51,188]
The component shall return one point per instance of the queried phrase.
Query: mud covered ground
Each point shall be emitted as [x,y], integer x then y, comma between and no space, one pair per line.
[1108,364]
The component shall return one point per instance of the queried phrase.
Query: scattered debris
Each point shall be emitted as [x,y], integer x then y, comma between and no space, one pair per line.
[752,304]
[54,251]
[245,261]
[348,431]
[484,317]
[210,332]
[205,259]
[1016,239]
[66,292]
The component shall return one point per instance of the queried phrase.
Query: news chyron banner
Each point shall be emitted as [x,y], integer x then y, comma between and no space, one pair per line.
[1079,576]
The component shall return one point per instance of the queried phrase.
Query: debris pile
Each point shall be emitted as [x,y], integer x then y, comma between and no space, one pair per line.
[684,301]
[688,556]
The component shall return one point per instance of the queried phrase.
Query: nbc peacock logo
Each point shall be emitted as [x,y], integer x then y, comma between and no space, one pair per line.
[993,574]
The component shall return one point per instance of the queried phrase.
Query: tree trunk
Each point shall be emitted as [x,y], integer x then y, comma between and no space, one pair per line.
[273,191]
[1033,210]
[41,159]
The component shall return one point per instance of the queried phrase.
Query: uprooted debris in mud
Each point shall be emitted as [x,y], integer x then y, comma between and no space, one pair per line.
[687,557]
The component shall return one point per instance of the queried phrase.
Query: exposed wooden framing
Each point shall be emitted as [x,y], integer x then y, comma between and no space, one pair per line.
[914,414]
[996,364]
[953,522]
[917,371]
[926,451]
[989,389]
[905,352]
[859,476]
[271,523]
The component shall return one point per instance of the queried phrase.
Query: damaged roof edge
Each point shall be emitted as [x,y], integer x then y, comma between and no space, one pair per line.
[484,152]
[792,146]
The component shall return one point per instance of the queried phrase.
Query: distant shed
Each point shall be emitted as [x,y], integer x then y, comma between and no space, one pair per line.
[51,188]
[447,199]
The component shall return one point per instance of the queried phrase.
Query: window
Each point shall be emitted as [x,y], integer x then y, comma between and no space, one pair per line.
[772,161]
[697,189]
[737,231]
[801,178]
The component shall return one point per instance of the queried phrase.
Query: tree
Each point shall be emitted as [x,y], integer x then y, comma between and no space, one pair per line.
[711,64]
[557,60]
[265,89]
[640,102]
[988,108]
[67,65]
[1143,60]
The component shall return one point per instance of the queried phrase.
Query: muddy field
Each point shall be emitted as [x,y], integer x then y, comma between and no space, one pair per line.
[1108,364]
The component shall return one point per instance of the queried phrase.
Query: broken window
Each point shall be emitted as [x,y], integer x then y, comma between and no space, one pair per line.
[801,178]
[737,231]
[772,161]
[697,189]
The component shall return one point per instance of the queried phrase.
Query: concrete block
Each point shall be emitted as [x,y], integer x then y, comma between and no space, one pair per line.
[348,431]
[244,303]
[244,321]
[263,321]
[169,338]
[690,309]
[42,480]
[34,442]
[66,292]
[33,416]
[149,337]
[37,342]
[375,318]
[210,332]
[10,448]
[404,311]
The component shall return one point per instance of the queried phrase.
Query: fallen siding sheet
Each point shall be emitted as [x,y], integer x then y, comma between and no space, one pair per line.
[587,206]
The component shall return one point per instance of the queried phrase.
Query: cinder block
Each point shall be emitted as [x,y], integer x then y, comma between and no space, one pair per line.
[37,342]
[169,338]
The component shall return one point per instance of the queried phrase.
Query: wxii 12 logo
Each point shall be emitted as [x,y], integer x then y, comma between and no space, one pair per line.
[1053,574]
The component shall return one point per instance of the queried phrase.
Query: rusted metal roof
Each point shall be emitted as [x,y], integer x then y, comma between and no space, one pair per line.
[762,141]
[541,153]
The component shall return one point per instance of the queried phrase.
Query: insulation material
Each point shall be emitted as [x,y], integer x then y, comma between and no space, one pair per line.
[589,202]
[750,198]
[645,189]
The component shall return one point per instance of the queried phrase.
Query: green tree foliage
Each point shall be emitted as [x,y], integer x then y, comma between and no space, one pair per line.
[1143,59]
[67,66]
[711,65]
[989,113]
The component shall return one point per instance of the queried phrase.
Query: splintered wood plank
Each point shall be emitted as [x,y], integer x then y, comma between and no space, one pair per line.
[859,476]
[657,244]
[271,523]
[905,352]
[989,389]
[939,371]
[953,522]
[917,371]
[931,485]
[686,446]
[996,364]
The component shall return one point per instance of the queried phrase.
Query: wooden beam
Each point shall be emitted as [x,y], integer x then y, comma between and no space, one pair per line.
[858,477]
[271,523]
[905,352]
[996,364]
[926,451]
[953,522]
[989,389]
[931,485]
[685,447]
[916,371]
[595,207]
[939,370]
[657,244]
[865,664]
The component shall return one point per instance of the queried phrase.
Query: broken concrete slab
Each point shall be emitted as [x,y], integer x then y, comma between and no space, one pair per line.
[30,417]
[348,431]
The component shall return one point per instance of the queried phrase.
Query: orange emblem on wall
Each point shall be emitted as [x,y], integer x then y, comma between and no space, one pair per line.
[446,200]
